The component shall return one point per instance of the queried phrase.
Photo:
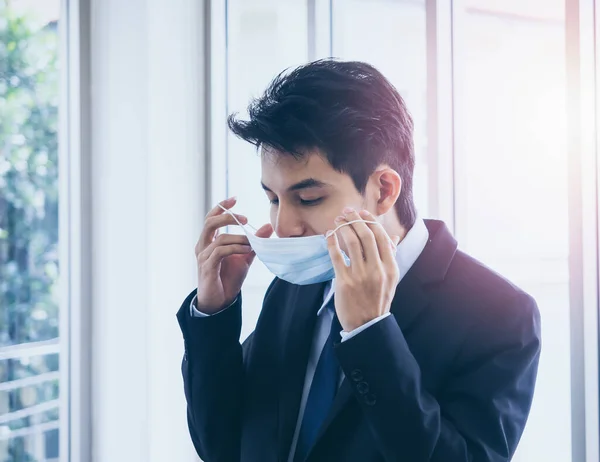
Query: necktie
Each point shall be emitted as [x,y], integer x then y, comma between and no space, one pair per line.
[322,392]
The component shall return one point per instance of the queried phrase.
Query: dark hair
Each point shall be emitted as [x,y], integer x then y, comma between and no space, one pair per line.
[347,110]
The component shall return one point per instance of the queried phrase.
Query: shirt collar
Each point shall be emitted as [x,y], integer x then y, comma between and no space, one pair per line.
[409,249]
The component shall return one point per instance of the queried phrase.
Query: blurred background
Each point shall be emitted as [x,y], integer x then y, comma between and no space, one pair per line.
[113,146]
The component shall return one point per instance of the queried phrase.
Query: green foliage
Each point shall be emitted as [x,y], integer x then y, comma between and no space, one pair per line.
[29,97]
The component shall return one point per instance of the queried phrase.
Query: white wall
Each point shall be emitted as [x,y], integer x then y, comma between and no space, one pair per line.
[148,196]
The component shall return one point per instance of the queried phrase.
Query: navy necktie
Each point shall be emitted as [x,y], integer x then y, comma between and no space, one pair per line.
[322,392]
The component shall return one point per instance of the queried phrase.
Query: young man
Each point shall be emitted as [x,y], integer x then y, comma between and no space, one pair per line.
[410,351]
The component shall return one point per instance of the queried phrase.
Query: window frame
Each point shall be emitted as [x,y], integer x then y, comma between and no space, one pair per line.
[75,217]
[72,344]
[583,136]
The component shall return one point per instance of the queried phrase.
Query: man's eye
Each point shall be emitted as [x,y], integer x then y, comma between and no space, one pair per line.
[311,201]
[274,201]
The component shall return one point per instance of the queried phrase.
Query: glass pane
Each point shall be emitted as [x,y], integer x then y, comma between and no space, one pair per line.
[29,269]
[390,34]
[511,180]
[264,37]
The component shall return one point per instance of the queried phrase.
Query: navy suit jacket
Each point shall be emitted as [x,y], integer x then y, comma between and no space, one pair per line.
[448,378]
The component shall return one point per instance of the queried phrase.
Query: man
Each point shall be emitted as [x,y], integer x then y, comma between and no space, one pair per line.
[413,352]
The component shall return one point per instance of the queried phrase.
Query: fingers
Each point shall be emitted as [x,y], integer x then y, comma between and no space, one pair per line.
[227,239]
[363,232]
[216,210]
[220,241]
[351,240]
[264,231]
[217,218]
[212,224]
[335,253]
[223,251]
[385,249]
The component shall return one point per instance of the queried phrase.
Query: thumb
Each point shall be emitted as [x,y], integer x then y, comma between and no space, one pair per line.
[264,231]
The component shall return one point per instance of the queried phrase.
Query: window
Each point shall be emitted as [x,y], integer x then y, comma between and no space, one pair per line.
[29,266]
[511,181]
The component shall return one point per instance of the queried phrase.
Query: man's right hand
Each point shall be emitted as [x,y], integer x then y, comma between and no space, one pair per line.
[223,259]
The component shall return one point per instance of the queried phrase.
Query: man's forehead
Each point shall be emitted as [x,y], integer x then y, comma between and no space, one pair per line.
[287,173]
[306,183]
[283,161]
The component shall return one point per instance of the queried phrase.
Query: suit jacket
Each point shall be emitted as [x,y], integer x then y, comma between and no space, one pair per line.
[448,378]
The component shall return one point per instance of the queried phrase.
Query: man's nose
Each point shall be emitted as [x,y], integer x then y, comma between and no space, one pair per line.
[288,223]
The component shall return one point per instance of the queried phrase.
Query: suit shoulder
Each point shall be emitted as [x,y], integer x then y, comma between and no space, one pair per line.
[487,295]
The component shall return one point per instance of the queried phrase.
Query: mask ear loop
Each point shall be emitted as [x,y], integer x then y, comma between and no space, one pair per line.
[327,235]
[349,223]
[236,220]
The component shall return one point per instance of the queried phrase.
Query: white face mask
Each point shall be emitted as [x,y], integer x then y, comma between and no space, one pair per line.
[298,260]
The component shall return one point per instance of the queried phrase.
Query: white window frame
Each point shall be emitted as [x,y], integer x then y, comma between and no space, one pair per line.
[217,110]
[582,136]
[75,232]
[440,111]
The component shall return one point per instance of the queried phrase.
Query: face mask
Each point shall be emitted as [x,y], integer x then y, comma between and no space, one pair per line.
[298,260]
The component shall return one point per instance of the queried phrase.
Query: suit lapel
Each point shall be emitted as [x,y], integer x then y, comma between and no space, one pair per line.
[408,301]
[410,297]
[303,304]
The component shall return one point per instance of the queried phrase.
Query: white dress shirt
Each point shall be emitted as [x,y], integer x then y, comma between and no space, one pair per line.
[407,253]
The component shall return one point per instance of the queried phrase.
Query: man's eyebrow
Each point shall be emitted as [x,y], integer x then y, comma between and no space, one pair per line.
[304,184]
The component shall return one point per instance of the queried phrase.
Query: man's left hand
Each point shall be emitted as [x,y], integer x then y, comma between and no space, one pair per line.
[365,289]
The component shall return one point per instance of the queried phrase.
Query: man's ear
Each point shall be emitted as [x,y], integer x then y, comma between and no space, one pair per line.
[385,185]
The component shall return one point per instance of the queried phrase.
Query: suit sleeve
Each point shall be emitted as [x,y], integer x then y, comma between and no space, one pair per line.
[479,414]
[213,375]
